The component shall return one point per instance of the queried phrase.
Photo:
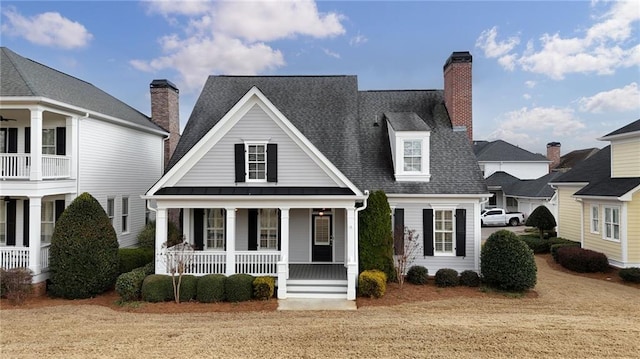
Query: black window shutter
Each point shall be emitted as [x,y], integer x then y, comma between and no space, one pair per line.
[398,231]
[272,162]
[239,158]
[427,231]
[11,222]
[253,229]
[25,226]
[461,235]
[12,143]
[61,141]
[59,208]
[224,228]
[27,140]
[279,230]
[198,228]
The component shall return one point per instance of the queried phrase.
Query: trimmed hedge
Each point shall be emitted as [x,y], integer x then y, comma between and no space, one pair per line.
[469,278]
[129,285]
[132,258]
[239,287]
[188,287]
[372,283]
[630,274]
[447,277]
[263,287]
[582,260]
[507,263]
[540,246]
[157,288]
[84,251]
[417,275]
[554,248]
[211,288]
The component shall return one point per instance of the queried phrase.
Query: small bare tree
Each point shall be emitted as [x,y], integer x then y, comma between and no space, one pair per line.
[408,255]
[177,259]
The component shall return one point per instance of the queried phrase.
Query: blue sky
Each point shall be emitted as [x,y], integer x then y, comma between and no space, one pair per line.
[566,71]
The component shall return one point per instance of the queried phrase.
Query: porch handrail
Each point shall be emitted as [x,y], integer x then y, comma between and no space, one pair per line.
[257,262]
[44,256]
[55,166]
[14,165]
[207,262]
[14,257]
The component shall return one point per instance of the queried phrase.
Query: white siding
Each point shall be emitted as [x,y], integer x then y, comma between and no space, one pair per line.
[295,167]
[115,161]
[300,235]
[521,170]
[339,230]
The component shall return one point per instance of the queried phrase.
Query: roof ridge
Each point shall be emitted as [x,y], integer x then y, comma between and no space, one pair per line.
[9,54]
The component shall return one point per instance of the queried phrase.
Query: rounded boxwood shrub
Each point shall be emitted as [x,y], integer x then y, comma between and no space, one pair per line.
[630,274]
[554,248]
[263,287]
[238,287]
[582,260]
[150,268]
[372,283]
[157,288]
[84,251]
[129,285]
[211,288]
[188,287]
[417,275]
[447,277]
[507,263]
[132,258]
[469,278]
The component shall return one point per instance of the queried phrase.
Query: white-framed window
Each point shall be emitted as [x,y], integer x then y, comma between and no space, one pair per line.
[125,214]
[214,228]
[3,222]
[48,141]
[412,155]
[110,209]
[47,220]
[611,225]
[268,230]
[443,232]
[595,219]
[493,200]
[256,162]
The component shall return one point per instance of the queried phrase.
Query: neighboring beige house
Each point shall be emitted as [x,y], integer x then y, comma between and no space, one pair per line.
[599,199]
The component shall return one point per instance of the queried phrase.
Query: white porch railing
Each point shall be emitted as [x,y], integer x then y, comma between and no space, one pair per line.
[14,165]
[44,257]
[207,262]
[56,166]
[257,262]
[12,257]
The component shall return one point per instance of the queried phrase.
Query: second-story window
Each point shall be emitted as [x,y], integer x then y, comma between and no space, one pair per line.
[256,162]
[49,141]
[412,155]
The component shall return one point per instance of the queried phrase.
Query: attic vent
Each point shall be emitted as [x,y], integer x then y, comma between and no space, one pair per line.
[375,124]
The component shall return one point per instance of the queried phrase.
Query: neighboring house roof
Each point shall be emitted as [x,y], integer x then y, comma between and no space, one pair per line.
[595,168]
[632,127]
[349,128]
[610,187]
[22,77]
[500,150]
[537,188]
[571,159]
[501,178]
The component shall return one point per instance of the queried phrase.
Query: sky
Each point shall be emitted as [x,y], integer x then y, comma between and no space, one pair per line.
[543,71]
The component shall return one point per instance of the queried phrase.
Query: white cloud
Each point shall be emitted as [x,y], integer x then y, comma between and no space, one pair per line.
[178,7]
[492,48]
[559,121]
[526,96]
[49,29]
[358,40]
[232,37]
[617,100]
[530,84]
[331,53]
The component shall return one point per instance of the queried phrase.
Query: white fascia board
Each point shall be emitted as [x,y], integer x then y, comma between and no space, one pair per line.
[71,110]
[627,197]
[621,136]
[556,184]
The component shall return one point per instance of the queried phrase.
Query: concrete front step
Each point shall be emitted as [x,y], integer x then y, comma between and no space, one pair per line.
[336,289]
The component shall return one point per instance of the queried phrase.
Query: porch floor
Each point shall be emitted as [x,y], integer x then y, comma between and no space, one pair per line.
[318,271]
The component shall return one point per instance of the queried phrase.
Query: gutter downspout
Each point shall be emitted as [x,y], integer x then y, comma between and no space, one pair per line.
[581,221]
[357,230]
[478,233]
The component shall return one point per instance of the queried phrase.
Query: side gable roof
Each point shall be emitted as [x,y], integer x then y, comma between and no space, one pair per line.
[22,77]
[500,150]
[571,159]
[501,178]
[626,130]
[537,188]
[594,168]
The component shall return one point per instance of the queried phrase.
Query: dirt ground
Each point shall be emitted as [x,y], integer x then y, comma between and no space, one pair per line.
[567,315]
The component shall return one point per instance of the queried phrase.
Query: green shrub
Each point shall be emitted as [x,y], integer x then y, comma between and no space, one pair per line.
[157,288]
[447,277]
[150,268]
[375,246]
[537,245]
[417,275]
[263,287]
[84,251]
[188,287]
[16,284]
[129,284]
[630,274]
[372,283]
[132,258]
[469,278]
[542,219]
[239,287]
[555,247]
[507,263]
[211,288]
[147,236]
[582,260]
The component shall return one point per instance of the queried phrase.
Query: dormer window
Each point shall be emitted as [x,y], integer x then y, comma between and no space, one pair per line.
[412,155]
[409,138]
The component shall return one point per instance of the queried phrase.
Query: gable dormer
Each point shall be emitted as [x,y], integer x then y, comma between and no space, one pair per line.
[410,148]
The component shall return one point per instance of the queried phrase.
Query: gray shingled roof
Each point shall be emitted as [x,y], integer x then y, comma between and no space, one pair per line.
[406,121]
[500,150]
[501,178]
[22,77]
[537,188]
[571,159]
[346,126]
[632,127]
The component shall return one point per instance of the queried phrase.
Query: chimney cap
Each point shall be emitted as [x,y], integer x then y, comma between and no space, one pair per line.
[458,57]
[553,144]
[163,83]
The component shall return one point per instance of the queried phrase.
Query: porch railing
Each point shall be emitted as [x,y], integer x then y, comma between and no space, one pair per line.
[207,262]
[17,166]
[44,257]
[248,262]
[56,166]
[11,257]
[257,262]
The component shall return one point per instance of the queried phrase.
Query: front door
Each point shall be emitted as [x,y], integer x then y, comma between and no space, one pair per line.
[322,238]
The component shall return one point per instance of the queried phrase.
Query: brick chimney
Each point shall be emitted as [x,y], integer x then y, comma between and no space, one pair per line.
[165,113]
[457,91]
[553,154]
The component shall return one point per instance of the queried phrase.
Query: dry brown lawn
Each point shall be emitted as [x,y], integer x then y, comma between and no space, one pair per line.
[568,316]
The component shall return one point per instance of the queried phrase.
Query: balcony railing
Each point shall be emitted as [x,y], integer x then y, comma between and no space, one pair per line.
[18,166]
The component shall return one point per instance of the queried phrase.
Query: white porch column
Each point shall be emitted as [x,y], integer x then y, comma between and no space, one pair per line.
[231,241]
[36,146]
[283,263]
[35,213]
[352,263]
[186,225]
[161,238]
[72,145]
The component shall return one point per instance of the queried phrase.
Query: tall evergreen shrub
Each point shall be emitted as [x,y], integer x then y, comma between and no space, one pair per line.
[375,243]
[542,219]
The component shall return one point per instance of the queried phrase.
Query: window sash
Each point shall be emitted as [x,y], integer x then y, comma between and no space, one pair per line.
[214,228]
[412,156]
[110,209]
[268,229]
[612,223]
[125,214]
[256,162]
[48,141]
[47,221]
[595,219]
[443,231]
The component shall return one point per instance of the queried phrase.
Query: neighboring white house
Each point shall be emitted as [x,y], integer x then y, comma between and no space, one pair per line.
[59,137]
[271,173]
